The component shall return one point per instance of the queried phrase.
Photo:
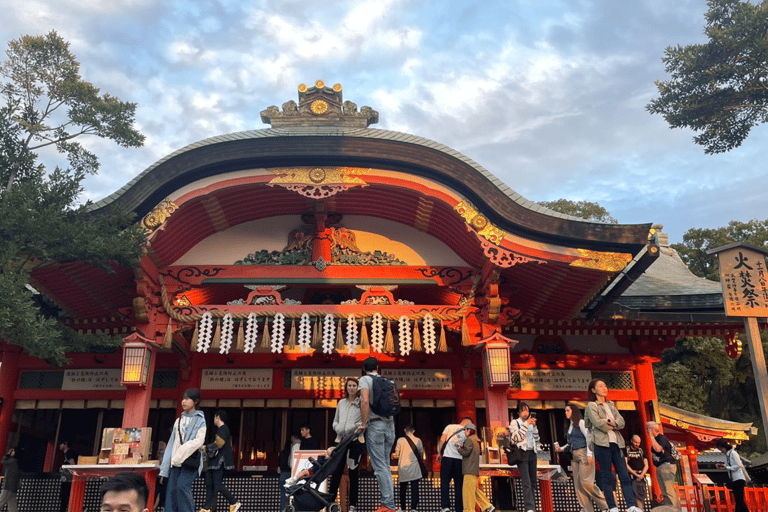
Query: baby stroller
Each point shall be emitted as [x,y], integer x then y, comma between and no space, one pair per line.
[304,496]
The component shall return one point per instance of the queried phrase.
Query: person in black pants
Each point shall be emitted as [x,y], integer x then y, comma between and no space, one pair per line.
[737,473]
[214,477]
[286,466]
[70,457]
[450,466]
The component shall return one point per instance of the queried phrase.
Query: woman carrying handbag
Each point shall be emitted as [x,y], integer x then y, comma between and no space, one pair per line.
[183,459]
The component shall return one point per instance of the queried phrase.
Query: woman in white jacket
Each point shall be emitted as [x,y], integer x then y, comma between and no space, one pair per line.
[737,473]
[345,422]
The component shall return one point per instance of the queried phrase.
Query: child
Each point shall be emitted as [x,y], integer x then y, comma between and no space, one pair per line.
[305,473]
[470,466]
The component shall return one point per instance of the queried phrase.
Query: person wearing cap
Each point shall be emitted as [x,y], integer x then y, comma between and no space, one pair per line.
[183,459]
[469,449]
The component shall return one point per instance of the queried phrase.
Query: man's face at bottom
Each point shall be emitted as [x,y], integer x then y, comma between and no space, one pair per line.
[122,501]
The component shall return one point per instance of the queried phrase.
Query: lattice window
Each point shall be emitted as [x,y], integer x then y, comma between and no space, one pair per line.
[616,380]
[165,379]
[41,380]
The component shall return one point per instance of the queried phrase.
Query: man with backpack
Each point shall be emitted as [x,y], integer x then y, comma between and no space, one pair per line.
[379,427]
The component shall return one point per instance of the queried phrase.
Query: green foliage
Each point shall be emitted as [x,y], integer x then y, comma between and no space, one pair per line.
[719,88]
[582,209]
[696,375]
[49,104]
[41,221]
[696,242]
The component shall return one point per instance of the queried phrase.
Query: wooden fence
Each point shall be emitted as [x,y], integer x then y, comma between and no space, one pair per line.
[709,498]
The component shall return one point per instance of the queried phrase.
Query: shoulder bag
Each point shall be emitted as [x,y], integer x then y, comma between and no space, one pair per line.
[418,457]
[193,461]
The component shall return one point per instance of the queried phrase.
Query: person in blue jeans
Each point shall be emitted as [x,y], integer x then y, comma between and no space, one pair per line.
[604,421]
[183,459]
[379,436]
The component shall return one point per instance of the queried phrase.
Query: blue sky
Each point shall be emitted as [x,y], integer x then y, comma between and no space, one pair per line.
[547,95]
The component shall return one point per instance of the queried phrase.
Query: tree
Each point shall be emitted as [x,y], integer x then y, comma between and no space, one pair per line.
[582,209]
[696,242]
[719,88]
[41,221]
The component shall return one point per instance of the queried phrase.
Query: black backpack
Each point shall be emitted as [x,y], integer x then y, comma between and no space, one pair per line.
[385,400]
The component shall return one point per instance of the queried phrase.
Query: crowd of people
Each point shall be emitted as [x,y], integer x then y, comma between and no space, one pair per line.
[598,458]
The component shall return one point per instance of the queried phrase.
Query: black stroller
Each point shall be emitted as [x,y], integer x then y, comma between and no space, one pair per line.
[305,496]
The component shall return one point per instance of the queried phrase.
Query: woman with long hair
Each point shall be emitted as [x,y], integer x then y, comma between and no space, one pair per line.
[183,459]
[604,421]
[582,462]
[346,421]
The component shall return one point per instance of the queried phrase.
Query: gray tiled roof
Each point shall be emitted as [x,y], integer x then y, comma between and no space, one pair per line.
[668,284]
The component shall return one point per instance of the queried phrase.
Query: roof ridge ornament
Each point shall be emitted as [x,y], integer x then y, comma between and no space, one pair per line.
[319,106]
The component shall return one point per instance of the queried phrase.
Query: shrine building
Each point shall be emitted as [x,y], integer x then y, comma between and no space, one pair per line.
[278,259]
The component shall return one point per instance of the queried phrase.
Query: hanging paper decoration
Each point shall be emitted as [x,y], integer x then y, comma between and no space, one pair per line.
[206,333]
[416,337]
[168,339]
[278,333]
[352,334]
[251,333]
[430,340]
[329,334]
[443,346]
[292,336]
[364,345]
[404,335]
[227,331]
[377,333]
[389,340]
[195,338]
[305,333]
[240,345]
[264,345]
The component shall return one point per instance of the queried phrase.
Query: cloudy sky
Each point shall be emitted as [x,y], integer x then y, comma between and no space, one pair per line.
[547,95]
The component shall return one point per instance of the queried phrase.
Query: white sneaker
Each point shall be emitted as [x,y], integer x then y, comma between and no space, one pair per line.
[352,508]
[634,509]
[291,481]
[445,510]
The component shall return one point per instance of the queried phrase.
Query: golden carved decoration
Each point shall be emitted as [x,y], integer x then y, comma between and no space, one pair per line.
[319,84]
[317,175]
[158,215]
[319,107]
[302,87]
[337,87]
[606,261]
[480,223]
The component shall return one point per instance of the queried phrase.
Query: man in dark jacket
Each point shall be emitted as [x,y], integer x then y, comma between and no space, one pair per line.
[666,465]
[10,481]
[214,477]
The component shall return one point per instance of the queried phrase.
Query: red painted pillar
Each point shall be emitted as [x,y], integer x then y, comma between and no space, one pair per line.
[9,378]
[645,384]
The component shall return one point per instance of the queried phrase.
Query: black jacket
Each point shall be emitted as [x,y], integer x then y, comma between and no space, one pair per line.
[11,473]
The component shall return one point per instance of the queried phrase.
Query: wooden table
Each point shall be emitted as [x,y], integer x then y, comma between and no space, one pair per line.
[81,474]
[545,474]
